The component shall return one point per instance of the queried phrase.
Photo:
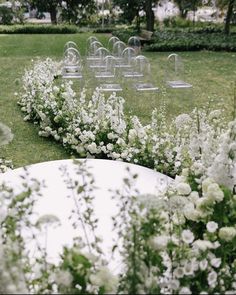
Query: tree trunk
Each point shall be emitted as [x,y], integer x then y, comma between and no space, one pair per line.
[149,15]
[53,15]
[229,16]
[138,22]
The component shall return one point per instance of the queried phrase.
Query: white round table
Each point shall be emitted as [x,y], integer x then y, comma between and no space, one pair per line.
[108,176]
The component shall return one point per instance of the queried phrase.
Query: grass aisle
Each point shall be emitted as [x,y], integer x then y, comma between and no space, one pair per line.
[211,73]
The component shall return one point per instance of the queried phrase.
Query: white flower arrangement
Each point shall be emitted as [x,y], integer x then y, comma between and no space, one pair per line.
[183,243]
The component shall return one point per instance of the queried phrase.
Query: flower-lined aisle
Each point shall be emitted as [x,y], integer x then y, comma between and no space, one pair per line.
[183,242]
[97,127]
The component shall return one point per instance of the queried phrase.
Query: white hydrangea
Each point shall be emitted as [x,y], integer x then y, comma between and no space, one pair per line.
[183,188]
[227,233]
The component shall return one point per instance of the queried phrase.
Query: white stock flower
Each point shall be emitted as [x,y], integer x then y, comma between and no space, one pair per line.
[211,226]
[202,245]
[159,242]
[103,277]
[216,262]
[227,233]
[182,120]
[185,291]
[206,182]
[64,278]
[203,264]
[212,278]
[187,236]
[132,135]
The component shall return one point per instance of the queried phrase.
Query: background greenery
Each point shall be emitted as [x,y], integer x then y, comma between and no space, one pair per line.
[211,73]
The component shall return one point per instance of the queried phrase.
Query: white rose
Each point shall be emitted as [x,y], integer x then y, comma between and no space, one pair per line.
[183,188]
[211,226]
[109,146]
[216,262]
[187,236]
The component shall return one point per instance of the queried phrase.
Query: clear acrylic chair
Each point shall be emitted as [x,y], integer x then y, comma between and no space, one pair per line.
[107,72]
[175,72]
[144,81]
[111,42]
[107,75]
[72,64]
[117,51]
[128,65]
[90,40]
[92,59]
[99,56]
[135,43]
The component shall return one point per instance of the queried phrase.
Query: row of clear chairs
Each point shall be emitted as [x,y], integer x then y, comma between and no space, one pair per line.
[119,61]
[123,63]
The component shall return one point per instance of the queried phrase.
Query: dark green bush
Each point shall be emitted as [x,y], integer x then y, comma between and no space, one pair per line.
[103,30]
[192,41]
[6,15]
[39,29]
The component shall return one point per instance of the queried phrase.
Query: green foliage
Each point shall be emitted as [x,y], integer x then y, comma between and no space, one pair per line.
[78,11]
[39,29]
[6,15]
[177,21]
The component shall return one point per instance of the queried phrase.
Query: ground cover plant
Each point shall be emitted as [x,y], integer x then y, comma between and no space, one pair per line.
[211,73]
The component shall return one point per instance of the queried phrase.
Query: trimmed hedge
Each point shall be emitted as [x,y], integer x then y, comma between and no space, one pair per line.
[189,39]
[39,29]
[192,41]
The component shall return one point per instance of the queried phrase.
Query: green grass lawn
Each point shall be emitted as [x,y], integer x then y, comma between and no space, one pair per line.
[211,73]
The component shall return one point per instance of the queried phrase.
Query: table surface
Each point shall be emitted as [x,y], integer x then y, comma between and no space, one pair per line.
[108,175]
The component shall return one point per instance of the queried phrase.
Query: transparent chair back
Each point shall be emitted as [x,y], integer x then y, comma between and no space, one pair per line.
[135,43]
[92,59]
[128,54]
[93,47]
[118,48]
[72,64]
[144,79]
[175,72]
[90,40]
[70,44]
[111,42]
[99,56]
[128,63]
[107,75]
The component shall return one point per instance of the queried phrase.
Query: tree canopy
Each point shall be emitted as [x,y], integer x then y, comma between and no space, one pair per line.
[132,8]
